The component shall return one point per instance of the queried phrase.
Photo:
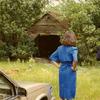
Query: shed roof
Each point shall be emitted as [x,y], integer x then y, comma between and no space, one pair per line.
[48,24]
[55,16]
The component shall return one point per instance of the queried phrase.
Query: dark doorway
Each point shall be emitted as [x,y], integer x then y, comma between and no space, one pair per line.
[47,44]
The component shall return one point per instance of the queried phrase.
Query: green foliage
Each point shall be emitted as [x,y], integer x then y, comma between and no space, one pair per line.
[16,16]
[2,49]
[96,13]
[83,19]
[24,50]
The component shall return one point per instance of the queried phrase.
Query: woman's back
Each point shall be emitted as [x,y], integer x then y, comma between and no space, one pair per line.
[65,53]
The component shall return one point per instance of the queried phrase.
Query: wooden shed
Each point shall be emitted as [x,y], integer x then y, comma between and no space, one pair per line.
[47,31]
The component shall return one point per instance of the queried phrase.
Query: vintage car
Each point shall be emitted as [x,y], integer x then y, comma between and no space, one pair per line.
[11,90]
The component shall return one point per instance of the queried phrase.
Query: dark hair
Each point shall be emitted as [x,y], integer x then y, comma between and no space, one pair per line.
[69,38]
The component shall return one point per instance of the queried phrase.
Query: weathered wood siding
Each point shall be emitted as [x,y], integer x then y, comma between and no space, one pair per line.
[48,25]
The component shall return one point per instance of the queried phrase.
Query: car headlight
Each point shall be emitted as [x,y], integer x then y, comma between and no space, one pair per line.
[50,91]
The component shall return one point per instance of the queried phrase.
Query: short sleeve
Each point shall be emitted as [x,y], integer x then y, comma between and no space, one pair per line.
[75,54]
[54,56]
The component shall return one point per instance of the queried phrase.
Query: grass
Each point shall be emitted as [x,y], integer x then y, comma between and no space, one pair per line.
[88,79]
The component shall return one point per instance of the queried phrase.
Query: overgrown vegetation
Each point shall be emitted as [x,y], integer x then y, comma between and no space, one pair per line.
[88,80]
[83,19]
[16,16]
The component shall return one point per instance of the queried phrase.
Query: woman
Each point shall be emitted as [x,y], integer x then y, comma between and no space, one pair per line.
[66,54]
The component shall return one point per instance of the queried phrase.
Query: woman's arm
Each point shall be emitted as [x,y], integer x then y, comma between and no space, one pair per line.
[75,59]
[74,65]
[55,64]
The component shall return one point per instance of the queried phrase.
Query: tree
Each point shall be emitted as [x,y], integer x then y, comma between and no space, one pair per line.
[15,17]
[83,21]
[96,13]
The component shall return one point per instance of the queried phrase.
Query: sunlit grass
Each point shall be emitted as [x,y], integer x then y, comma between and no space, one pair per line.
[88,79]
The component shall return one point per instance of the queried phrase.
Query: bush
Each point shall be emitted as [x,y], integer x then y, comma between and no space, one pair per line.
[23,50]
[2,50]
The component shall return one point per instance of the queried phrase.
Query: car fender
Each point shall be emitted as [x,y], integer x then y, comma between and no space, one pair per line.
[41,96]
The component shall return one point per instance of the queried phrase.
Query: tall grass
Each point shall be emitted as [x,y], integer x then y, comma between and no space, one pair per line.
[88,79]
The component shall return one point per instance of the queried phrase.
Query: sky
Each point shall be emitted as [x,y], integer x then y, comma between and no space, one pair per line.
[56,2]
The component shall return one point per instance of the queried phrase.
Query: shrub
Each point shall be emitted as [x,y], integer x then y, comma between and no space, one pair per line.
[23,50]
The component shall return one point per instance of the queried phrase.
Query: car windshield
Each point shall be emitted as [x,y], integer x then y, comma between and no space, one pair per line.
[6,89]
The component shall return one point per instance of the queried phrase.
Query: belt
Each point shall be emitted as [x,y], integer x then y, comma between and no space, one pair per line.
[68,62]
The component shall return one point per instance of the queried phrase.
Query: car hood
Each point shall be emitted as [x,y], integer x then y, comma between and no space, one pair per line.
[24,88]
[32,87]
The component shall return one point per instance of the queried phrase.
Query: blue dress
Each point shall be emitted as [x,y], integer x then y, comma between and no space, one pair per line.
[67,77]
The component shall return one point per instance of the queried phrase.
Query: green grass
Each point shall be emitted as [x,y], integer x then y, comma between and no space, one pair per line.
[88,79]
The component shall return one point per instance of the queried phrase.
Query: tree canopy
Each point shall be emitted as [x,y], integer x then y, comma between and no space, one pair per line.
[15,17]
[83,19]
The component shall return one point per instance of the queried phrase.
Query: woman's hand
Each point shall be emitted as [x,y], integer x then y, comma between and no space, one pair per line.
[74,69]
[74,64]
